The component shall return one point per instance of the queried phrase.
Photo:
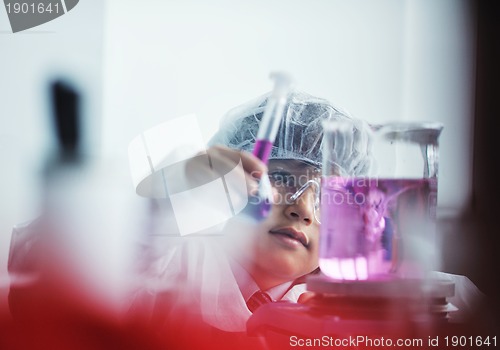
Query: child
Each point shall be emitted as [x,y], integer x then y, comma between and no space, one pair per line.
[219,276]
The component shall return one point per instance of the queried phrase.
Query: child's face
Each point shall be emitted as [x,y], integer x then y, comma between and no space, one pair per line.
[284,246]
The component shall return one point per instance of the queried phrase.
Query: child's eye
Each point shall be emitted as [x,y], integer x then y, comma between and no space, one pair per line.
[282,178]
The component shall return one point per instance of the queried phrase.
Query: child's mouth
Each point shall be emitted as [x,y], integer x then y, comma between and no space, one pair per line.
[291,234]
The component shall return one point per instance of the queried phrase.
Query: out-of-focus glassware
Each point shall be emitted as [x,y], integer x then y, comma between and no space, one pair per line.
[380,226]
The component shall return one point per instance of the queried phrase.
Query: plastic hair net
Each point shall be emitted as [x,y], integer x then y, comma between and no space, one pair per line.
[300,133]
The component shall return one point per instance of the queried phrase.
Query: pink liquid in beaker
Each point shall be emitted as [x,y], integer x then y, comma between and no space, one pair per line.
[376,228]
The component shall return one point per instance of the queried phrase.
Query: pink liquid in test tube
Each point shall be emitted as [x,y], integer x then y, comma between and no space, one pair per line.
[262,150]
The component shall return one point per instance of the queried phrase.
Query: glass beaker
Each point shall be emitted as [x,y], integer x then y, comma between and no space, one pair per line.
[381,224]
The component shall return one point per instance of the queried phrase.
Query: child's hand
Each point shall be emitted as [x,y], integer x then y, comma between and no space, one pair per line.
[219,161]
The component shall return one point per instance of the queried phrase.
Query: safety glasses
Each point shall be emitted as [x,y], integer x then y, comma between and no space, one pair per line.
[293,179]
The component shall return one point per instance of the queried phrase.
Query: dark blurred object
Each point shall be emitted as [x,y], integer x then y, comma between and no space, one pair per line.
[486,161]
[65,100]
[66,108]
[473,241]
[66,123]
[65,118]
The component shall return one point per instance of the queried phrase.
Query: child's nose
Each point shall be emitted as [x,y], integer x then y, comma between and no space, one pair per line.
[302,209]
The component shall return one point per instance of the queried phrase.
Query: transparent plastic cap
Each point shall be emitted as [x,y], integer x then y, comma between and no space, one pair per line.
[300,134]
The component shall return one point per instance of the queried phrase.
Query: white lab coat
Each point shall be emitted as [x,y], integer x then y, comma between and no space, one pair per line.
[200,269]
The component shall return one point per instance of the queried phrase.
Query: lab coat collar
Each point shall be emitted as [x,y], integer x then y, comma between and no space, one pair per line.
[248,286]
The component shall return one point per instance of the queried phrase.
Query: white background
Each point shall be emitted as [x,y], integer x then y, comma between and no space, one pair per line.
[381,60]
[139,63]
